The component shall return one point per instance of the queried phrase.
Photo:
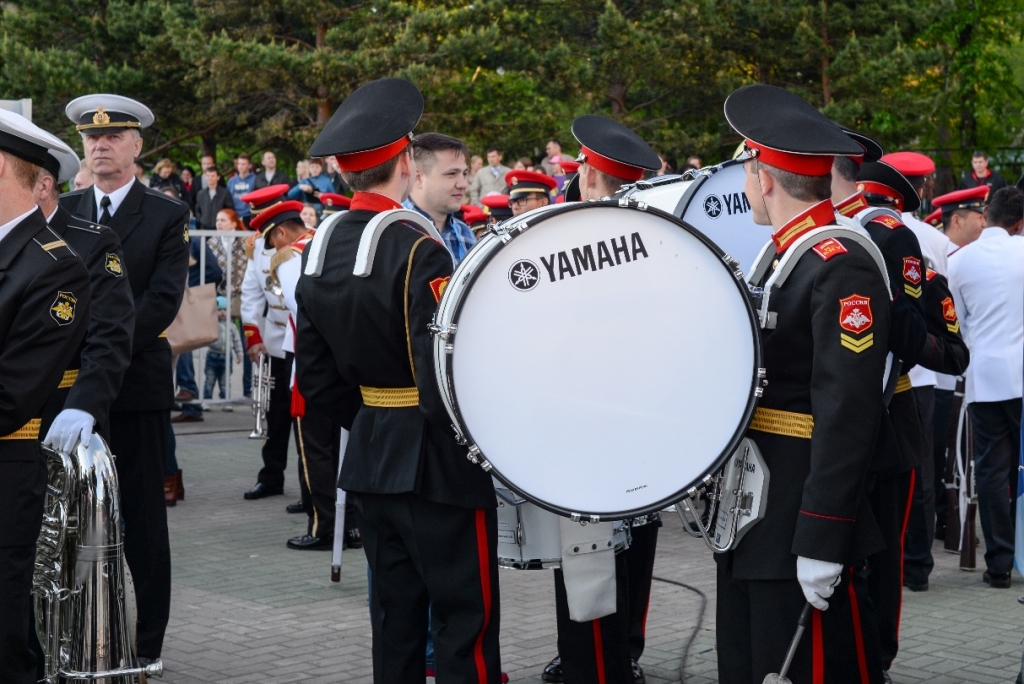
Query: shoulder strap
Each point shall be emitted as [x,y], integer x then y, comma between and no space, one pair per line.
[368,241]
[372,232]
[802,245]
[761,263]
[865,216]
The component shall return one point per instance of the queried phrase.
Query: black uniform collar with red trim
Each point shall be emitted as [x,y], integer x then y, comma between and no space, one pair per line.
[816,216]
[852,204]
[372,201]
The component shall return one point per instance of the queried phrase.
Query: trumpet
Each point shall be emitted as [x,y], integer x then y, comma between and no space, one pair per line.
[262,385]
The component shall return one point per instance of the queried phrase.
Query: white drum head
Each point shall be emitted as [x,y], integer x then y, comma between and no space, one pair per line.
[718,207]
[606,390]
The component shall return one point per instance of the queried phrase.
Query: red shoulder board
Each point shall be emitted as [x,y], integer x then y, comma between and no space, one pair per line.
[828,248]
[890,222]
[438,285]
[931,274]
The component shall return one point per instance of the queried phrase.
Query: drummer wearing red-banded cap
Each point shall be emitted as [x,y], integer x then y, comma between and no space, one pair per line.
[364,358]
[608,649]
[824,343]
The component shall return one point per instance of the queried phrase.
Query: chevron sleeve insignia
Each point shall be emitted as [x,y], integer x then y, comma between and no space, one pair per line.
[855,345]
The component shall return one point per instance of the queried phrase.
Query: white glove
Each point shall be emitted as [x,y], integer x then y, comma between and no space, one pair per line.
[818,579]
[70,427]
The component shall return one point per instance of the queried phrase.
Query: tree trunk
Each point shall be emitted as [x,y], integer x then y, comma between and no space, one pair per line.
[323,103]
[826,86]
[209,145]
[617,94]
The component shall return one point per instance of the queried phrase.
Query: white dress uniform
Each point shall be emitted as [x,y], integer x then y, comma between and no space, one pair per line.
[986,278]
[256,299]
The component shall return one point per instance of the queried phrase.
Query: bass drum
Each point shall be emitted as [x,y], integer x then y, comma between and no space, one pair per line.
[712,201]
[597,358]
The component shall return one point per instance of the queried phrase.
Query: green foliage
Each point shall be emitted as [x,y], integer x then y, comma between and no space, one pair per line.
[245,75]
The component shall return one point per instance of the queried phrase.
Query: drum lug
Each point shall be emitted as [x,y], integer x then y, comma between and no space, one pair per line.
[444,332]
[632,202]
[486,465]
[759,392]
[592,519]
[473,455]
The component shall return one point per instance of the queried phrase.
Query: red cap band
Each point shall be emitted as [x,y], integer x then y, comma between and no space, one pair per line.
[612,167]
[873,188]
[360,161]
[803,164]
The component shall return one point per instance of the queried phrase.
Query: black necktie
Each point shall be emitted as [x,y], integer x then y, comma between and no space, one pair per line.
[105,205]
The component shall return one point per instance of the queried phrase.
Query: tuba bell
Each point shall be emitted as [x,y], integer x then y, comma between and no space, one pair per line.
[263,383]
[83,594]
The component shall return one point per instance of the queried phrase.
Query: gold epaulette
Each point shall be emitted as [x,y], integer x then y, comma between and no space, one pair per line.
[250,246]
[280,256]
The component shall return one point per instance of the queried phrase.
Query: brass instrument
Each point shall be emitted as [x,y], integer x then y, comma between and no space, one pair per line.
[83,592]
[263,383]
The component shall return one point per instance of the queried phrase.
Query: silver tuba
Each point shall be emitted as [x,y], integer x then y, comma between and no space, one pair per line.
[262,384]
[83,592]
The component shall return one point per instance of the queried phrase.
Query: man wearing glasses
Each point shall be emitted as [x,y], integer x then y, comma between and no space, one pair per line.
[528,190]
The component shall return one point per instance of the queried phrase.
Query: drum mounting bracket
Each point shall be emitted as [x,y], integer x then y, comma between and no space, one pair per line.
[474,456]
[445,332]
[592,519]
[632,202]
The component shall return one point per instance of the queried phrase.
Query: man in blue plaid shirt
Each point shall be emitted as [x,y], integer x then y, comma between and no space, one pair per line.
[442,177]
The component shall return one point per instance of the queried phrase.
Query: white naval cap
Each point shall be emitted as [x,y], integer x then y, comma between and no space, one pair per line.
[25,140]
[106,113]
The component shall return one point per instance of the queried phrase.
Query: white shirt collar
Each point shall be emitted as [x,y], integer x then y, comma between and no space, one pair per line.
[52,214]
[6,229]
[116,197]
[994,231]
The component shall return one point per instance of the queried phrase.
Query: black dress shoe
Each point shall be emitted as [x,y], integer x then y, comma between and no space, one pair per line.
[260,491]
[916,586]
[553,671]
[997,581]
[308,543]
[638,673]
[353,540]
[296,507]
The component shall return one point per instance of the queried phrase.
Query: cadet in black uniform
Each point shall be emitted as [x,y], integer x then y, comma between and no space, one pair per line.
[44,313]
[891,485]
[93,378]
[611,156]
[364,358]
[817,421]
[153,229]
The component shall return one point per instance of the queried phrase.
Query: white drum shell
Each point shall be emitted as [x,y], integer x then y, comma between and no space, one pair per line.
[714,203]
[651,408]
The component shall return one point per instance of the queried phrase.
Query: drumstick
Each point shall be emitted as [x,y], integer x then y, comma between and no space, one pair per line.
[805,617]
[339,516]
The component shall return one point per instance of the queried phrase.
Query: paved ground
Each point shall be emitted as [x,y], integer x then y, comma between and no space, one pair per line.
[246,609]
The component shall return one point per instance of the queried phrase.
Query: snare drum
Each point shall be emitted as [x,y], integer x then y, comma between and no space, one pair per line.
[712,201]
[597,358]
[528,536]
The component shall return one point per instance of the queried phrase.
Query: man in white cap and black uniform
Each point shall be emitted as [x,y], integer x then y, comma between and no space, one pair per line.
[81,404]
[153,229]
[44,311]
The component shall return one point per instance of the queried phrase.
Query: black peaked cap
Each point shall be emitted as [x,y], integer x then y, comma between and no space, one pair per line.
[783,121]
[611,139]
[872,150]
[880,172]
[376,114]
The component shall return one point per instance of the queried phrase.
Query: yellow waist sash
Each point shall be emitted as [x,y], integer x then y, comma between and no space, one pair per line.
[29,430]
[787,423]
[390,397]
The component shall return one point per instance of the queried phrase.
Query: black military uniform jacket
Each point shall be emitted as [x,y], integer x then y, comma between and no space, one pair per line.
[44,312]
[372,332]
[93,378]
[902,436]
[825,360]
[153,229]
[945,351]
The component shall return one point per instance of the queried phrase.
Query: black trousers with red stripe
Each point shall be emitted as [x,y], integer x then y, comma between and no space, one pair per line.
[890,502]
[319,441]
[597,651]
[756,620]
[424,554]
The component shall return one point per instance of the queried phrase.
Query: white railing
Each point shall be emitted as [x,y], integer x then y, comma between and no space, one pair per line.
[233,391]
